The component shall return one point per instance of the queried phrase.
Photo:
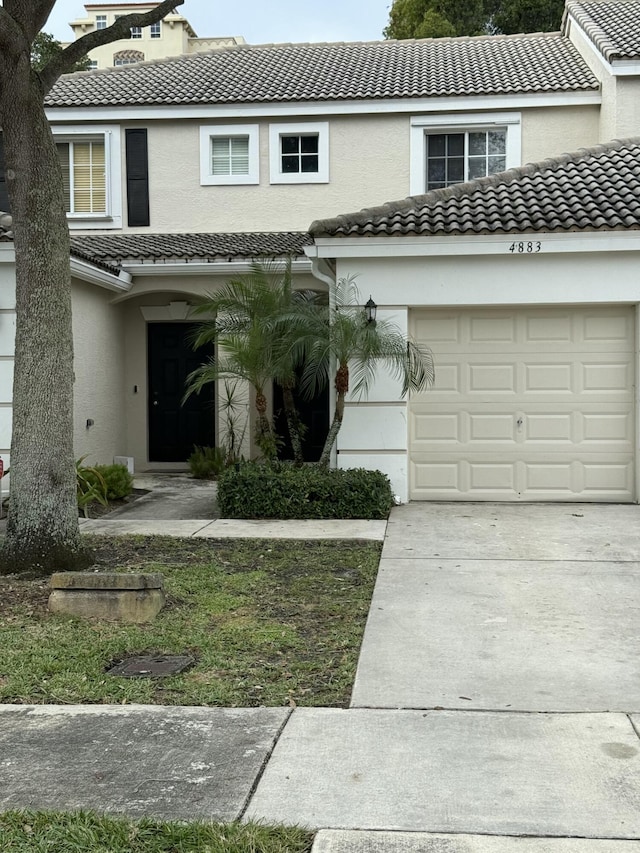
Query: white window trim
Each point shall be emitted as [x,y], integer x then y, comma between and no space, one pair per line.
[207,132]
[276,175]
[422,125]
[158,24]
[112,154]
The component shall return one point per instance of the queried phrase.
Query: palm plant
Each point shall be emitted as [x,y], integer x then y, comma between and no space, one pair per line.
[255,344]
[334,341]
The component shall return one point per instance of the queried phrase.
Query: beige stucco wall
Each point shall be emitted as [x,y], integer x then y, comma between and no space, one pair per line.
[550,131]
[99,374]
[369,165]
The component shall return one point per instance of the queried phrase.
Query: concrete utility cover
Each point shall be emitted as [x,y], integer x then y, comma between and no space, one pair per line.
[151,666]
[170,763]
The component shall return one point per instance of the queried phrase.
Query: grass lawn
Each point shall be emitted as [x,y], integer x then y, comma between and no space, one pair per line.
[268,622]
[85,832]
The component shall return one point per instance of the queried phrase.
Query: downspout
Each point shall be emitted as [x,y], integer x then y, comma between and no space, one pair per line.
[325,272]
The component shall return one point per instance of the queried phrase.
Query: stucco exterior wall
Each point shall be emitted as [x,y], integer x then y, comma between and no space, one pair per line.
[369,163]
[360,174]
[550,131]
[99,374]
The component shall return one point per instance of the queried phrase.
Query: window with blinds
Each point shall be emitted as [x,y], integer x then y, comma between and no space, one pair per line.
[84,176]
[229,155]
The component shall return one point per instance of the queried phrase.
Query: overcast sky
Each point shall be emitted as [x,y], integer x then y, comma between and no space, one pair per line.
[262,21]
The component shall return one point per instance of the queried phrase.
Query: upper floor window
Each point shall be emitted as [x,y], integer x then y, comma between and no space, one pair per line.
[136,32]
[91,175]
[155,30]
[229,154]
[101,22]
[93,64]
[447,150]
[453,158]
[299,153]
[84,175]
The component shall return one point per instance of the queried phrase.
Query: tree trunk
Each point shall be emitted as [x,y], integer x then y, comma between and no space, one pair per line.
[334,429]
[42,529]
[293,424]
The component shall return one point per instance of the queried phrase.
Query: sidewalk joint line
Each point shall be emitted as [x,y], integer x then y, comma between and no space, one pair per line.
[633,725]
[263,766]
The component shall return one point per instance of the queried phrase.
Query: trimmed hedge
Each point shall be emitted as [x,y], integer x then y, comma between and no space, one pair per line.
[283,491]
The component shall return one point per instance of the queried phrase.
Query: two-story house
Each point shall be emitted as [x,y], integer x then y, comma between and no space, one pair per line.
[181,171]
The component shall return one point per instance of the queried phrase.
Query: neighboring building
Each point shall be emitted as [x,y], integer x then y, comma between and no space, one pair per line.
[172,36]
[525,285]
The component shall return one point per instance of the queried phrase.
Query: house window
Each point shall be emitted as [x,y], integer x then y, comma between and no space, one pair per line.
[447,150]
[91,175]
[136,32]
[155,30]
[453,158]
[93,64]
[299,153]
[101,22]
[84,176]
[127,57]
[229,154]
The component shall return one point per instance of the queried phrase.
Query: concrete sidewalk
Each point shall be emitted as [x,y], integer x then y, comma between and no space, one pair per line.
[496,706]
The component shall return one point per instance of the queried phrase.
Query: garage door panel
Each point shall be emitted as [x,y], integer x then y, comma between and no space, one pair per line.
[603,479]
[597,329]
[533,404]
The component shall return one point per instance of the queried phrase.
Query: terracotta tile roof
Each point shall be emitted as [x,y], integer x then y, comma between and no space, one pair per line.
[428,68]
[612,25]
[117,248]
[595,189]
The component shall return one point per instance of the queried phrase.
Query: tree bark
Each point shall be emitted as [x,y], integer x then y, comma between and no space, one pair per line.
[334,429]
[42,528]
[293,424]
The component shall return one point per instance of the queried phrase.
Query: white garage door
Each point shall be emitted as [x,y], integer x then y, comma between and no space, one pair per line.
[528,404]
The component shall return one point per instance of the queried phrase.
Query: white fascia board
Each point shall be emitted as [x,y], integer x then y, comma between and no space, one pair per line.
[226,268]
[87,272]
[625,67]
[323,108]
[7,253]
[477,244]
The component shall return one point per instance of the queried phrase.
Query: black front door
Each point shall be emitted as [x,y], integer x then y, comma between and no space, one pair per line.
[175,428]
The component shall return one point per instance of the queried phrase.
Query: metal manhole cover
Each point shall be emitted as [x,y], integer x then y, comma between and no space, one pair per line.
[151,666]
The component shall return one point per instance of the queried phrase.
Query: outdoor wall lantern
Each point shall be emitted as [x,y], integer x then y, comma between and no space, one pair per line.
[370,310]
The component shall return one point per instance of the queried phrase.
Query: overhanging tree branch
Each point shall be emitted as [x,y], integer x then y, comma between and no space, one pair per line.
[121,29]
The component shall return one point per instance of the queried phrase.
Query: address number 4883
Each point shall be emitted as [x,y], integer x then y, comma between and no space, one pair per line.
[530,248]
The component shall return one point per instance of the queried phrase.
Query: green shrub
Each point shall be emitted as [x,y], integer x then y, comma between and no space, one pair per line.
[90,486]
[283,491]
[118,482]
[205,463]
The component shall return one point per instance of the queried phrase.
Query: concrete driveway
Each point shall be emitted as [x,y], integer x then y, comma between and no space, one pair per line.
[528,607]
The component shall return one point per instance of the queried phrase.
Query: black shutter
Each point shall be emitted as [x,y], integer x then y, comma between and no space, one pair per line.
[137,177]
[4,195]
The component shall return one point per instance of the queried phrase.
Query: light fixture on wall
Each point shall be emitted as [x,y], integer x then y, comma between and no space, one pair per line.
[370,310]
